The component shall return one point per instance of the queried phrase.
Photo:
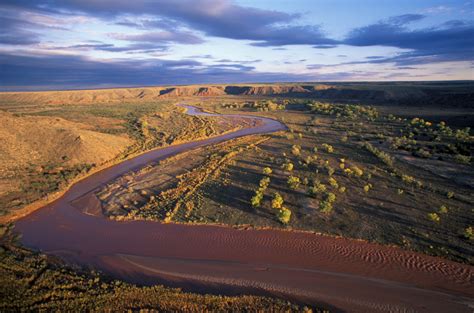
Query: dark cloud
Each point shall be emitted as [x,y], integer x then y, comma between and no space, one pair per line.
[16,31]
[99,46]
[240,62]
[27,72]
[219,18]
[451,41]
[329,46]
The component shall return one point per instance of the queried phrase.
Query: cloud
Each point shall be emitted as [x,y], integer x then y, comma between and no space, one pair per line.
[437,9]
[181,37]
[16,31]
[450,41]
[218,18]
[99,46]
[39,72]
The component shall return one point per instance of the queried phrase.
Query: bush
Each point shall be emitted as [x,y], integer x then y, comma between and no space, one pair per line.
[333,182]
[264,182]
[326,205]
[463,159]
[267,171]
[328,148]
[443,209]
[317,188]
[382,156]
[296,150]
[357,171]
[434,217]
[469,233]
[277,201]
[293,182]
[288,166]
[258,197]
[284,215]
[367,187]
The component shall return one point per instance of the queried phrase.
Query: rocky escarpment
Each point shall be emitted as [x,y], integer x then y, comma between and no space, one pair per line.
[424,93]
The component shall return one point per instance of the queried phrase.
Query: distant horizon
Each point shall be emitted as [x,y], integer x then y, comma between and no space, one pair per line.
[241,83]
[72,44]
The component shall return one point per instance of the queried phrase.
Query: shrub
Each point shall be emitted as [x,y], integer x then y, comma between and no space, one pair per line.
[463,159]
[317,188]
[277,201]
[293,182]
[434,217]
[342,189]
[400,191]
[450,195]
[330,170]
[284,215]
[257,199]
[469,233]
[325,206]
[357,171]
[288,166]
[330,197]
[296,150]
[367,187]
[267,171]
[443,209]
[348,172]
[382,156]
[264,182]
[328,148]
[333,182]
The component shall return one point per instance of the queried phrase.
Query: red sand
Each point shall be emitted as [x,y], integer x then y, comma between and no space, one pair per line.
[343,274]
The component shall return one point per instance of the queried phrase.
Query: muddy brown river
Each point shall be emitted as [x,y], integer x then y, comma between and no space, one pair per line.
[337,273]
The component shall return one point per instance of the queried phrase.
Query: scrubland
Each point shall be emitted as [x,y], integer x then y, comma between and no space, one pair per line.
[379,163]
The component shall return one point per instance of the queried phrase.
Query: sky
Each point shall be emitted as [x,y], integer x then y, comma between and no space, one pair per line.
[72,44]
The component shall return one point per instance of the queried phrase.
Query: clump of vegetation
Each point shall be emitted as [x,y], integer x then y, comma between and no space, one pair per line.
[434,217]
[326,206]
[258,197]
[296,150]
[288,166]
[328,148]
[333,182]
[348,111]
[284,215]
[463,159]
[367,187]
[469,233]
[293,182]
[317,188]
[277,201]
[267,105]
[267,171]
[382,156]
[443,209]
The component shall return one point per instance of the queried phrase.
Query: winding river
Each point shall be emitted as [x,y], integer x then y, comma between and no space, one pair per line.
[341,274]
